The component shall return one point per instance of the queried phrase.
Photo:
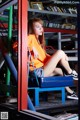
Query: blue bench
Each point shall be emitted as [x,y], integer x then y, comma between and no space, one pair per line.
[56,83]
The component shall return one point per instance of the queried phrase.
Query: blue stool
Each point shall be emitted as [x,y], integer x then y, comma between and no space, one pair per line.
[56,83]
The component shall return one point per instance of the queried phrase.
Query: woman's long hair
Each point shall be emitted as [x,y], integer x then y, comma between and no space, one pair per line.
[31,30]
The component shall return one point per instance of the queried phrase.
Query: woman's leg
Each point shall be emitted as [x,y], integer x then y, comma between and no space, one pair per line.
[58,71]
[69,90]
[51,64]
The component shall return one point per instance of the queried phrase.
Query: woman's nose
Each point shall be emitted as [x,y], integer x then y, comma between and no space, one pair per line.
[40,28]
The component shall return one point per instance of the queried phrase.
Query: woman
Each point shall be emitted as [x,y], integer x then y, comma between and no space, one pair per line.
[41,62]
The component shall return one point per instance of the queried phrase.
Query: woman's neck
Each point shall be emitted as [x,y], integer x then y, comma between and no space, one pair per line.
[37,36]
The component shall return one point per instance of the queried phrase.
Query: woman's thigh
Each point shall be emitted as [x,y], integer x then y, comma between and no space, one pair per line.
[51,64]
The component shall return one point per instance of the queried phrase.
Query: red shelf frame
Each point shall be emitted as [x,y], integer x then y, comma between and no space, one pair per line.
[60,30]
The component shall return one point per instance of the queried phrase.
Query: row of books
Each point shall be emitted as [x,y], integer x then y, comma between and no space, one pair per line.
[60,9]
[61,26]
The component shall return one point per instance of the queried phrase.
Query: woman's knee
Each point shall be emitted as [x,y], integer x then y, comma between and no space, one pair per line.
[61,53]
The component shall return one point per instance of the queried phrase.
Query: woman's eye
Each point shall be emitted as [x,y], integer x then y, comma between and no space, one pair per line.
[37,27]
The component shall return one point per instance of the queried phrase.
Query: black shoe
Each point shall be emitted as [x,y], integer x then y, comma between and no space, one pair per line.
[72,96]
[74,74]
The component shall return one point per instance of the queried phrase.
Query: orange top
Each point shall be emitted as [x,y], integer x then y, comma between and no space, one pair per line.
[42,56]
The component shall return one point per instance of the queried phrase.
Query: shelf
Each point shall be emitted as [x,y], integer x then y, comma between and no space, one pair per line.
[49,30]
[6,26]
[6,4]
[51,12]
[66,39]
[73,58]
[70,51]
[3,16]
[67,51]
[60,30]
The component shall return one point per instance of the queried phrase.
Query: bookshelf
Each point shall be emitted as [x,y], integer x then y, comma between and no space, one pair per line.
[53,19]
[51,25]
[51,12]
[64,41]
[55,12]
[71,51]
[59,13]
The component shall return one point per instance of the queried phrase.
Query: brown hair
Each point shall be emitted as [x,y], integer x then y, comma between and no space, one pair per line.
[31,30]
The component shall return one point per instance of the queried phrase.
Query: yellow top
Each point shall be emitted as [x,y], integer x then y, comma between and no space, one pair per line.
[42,56]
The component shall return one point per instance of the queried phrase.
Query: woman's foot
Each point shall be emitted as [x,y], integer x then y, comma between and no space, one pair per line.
[74,74]
[72,96]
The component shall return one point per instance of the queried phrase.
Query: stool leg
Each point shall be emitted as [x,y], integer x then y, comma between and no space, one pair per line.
[63,95]
[36,95]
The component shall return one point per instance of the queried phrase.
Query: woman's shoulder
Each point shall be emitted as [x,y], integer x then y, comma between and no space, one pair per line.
[31,36]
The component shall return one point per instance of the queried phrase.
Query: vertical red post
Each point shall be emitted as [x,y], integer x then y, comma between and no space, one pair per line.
[22,54]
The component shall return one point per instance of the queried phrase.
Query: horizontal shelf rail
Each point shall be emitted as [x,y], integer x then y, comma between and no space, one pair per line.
[6,4]
[51,12]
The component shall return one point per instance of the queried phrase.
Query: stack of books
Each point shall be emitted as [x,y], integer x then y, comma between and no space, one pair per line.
[60,9]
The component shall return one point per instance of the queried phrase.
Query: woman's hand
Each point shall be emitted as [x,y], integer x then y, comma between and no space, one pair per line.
[36,55]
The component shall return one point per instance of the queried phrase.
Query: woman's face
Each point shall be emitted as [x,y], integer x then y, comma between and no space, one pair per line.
[38,28]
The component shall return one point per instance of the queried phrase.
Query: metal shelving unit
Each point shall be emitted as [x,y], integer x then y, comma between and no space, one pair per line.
[52,13]
[60,31]
[75,51]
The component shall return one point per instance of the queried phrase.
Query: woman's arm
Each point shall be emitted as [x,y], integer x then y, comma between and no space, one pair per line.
[36,55]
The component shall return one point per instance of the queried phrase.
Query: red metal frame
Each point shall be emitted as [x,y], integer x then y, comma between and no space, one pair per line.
[22,54]
[60,30]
